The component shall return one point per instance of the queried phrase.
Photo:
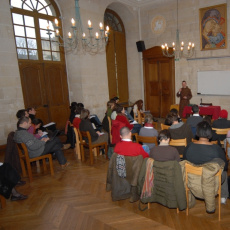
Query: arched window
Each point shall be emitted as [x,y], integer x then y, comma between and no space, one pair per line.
[31,18]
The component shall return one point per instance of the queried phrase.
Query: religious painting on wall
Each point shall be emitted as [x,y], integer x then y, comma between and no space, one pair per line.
[213,27]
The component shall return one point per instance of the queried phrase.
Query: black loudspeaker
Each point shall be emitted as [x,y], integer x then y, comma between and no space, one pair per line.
[140,46]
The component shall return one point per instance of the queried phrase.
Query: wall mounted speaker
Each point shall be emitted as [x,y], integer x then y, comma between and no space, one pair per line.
[140,46]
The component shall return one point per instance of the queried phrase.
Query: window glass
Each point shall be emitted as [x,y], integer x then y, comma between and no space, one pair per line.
[43,23]
[16,3]
[47,55]
[43,11]
[29,21]
[45,45]
[33,54]
[30,32]
[17,19]
[27,6]
[20,42]
[54,46]
[56,56]
[44,34]
[19,31]
[22,54]
[32,43]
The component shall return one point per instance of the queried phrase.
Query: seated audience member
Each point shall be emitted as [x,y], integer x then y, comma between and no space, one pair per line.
[122,118]
[148,130]
[34,128]
[32,112]
[77,119]
[114,112]
[86,125]
[180,131]
[194,119]
[171,113]
[222,123]
[126,147]
[73,109]
[164,152]
[138,106]
[204,151]
[38,147]
[9,178]
[22,113]
[110,106]
[116,99]
[215,137]
[93,118]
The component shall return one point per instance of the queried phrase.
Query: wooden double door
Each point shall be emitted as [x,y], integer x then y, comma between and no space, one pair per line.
[45,88]
[159,76]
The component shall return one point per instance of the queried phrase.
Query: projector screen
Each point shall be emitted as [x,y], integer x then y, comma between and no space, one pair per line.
[213,82]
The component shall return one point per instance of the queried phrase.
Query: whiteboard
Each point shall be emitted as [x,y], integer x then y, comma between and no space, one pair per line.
[213,82]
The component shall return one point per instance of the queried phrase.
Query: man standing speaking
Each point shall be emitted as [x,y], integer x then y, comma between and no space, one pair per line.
[185,95]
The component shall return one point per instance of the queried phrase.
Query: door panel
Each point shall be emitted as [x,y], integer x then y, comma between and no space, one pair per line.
[45,88]
[34,93]
[159,75]
[57,92]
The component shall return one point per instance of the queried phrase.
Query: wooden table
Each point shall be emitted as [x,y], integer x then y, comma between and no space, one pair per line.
[213,111]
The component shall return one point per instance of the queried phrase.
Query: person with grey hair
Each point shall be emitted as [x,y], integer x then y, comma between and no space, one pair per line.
[148,130]
[126,147]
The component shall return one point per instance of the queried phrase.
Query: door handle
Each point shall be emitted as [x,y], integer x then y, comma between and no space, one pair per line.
[45,106]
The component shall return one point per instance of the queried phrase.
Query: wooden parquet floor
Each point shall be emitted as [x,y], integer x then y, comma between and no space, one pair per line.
[75,198]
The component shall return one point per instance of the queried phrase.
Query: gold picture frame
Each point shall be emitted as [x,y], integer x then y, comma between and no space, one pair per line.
[213,27]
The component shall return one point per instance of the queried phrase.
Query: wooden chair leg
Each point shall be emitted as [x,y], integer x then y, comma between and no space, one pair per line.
[24,174]
[95,151]
[29,171]
[2,201]
[91,155]
[82,153]
[51,165]
[177,210]
[106,151]
[148,205]
[44,165]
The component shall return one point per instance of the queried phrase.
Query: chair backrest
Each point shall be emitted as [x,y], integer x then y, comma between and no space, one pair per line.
[198,171]
[23,151]
[164,126]
[221,131]
[184,120]
[86,135]
[146,139]
[178,142]
[110,128]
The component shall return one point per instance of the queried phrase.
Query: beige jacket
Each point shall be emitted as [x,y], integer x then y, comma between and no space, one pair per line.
[205,186]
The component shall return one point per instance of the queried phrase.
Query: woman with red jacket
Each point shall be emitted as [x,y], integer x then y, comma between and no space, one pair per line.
[122,118]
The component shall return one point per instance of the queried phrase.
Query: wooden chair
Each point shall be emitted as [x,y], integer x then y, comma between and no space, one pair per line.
[164,126]
[110,128]
[77,149]
[90,146]
[24,157]
[2,201]
[155,125]
[175,106]
[221,132]
[139,118]
[152,140]
[178,142]
[184,120]
[198,171]
[226,150]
